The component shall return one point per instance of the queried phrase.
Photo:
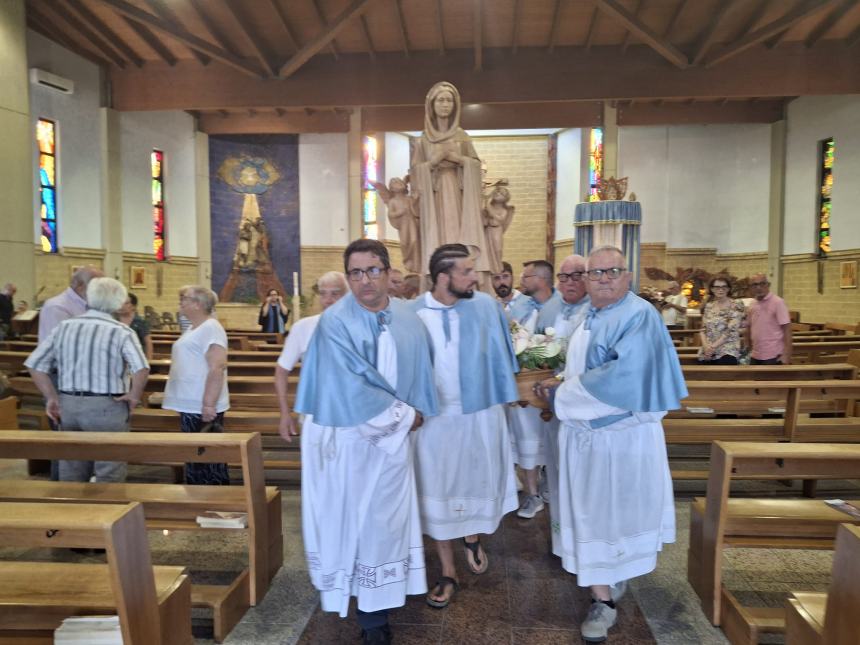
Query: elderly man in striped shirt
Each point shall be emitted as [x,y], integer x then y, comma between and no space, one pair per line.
[92,354]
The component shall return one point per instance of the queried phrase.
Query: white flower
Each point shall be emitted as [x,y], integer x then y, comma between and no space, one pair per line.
[552,349]
[538,339]
[549,331]
[520,344]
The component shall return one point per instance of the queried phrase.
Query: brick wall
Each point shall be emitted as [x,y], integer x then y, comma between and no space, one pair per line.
[523,161]
[317,260]
[800,288]
[54,270]
[162,280]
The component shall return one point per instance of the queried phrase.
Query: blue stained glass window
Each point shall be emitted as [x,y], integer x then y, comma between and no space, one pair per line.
[46,138]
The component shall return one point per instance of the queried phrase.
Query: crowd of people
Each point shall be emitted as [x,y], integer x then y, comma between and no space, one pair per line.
[410,421]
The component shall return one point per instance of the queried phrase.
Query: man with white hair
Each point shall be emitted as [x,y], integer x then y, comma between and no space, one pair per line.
[71,302]
[674,306]
[331,287]
[91,354]
[616,507]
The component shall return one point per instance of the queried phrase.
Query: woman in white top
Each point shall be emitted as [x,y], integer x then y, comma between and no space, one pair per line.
[331,287]
[197,385]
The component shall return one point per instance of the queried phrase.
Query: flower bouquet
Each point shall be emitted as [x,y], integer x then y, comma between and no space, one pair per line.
[540,357]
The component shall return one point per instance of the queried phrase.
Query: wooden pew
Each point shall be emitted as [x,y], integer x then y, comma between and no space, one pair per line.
[153,604]
[769,372]
[234,368]
[830,618]
[718,522]
[9,412]
[169,506]
[12,361]
[843,328]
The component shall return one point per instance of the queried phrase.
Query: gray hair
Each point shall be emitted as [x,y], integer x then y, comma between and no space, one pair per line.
[333,277]
[82,277]
[605,249]
[203,296]
[106,295]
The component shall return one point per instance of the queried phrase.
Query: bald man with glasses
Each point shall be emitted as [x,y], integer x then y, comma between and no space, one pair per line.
[770,325]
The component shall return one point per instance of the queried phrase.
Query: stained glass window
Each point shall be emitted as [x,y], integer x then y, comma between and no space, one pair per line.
[158,222]
[827,151]
[595,163]
[46,138]
[370,172]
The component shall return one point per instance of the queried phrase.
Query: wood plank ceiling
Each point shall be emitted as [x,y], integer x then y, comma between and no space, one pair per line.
[303,65]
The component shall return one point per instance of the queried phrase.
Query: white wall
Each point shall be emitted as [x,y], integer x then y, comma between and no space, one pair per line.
[323,190]
[811,119]
[172,133]
[396,165]
[78,142]
[568,183]
[700,186]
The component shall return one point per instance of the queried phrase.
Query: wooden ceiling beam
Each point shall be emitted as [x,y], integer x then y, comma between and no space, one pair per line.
[673,21]
[212,27]
[707,38]
[662,46]
[638,7]
[701,113]
[853,38]
[553,26]
[515,36]
[241,18]
[285,23]
[37,21]
[324,23]
[356,7]
[88,34]
[368,41]
[478,34]
[401,22]
[773,41]
[146,35]
[804,10]
[829,68]
[144,20]
[273,123]
[440,27]
[118,43]
[829,22]
[589,37]
[754,18]
[166,13]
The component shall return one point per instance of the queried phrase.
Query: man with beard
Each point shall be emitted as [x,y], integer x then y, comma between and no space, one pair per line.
[503,285]
[463,460]
[366,381]
[535,310]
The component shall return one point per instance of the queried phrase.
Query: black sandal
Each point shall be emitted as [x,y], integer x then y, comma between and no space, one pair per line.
[441,584]
[475,547]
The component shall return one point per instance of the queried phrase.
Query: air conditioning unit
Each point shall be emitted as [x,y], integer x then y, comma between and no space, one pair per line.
[51,81]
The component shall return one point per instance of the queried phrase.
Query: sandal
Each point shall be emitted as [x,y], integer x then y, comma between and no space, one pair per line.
[441,584]
[475,564]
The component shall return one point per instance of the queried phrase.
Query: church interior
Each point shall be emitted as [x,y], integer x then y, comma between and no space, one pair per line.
[235,145]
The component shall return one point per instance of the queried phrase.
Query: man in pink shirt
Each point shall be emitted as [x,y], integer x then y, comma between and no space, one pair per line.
[68,304]
[769,325]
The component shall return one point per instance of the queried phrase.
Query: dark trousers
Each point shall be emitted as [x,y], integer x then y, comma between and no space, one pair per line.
[722,360]
[204,474]
[765,361]
[368,620]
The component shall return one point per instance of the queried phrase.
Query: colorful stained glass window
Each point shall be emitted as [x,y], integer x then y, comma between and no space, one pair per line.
[370,172]
[595,163]
[158,223]
[828,157]
[46,138]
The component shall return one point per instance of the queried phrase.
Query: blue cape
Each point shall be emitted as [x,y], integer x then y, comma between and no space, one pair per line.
[631,362]
[487,359]
[523,306]
[340,385]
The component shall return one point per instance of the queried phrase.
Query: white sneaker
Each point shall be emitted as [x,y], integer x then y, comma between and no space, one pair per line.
[598,621]
[530,507]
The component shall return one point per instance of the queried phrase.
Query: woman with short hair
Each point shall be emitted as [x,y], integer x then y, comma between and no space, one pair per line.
[722,322]
[197,384]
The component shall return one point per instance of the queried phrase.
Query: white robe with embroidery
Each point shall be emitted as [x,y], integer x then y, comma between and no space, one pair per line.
[463,465]
[615,501]
[360,523]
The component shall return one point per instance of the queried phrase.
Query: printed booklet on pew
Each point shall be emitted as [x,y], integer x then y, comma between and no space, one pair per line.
[846,507]
[89,630]
[223,520]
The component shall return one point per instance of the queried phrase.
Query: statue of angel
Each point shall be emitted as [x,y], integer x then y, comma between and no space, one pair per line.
[497,216]
[403,214]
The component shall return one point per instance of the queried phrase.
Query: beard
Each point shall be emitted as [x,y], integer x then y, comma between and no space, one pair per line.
[462,295]
[502,291]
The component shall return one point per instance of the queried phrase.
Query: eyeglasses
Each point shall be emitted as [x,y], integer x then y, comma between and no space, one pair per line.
[613,274]
[372,273]
[528,275]
[759,284]
[576,276]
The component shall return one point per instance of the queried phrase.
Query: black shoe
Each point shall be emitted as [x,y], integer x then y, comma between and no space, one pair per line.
[377,636]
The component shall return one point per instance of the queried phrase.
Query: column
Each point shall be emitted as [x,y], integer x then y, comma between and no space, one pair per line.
[18,233]
[204,214]
[111,172]
[354,153]
[776,213]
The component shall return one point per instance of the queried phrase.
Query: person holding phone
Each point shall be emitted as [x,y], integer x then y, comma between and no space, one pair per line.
[273,313]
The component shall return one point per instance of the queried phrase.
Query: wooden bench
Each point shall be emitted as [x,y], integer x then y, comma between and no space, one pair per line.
[169,506]
[234,368]
[153,604]
[830,618]
[769,372]
[12,361]
[718,522]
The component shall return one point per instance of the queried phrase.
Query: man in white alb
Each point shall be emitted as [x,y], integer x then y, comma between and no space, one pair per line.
[366,381]
[331,287]
[463,466]
[503,285]
[616,507]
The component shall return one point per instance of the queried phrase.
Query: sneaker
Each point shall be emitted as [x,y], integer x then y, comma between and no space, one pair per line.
[598,621]
[617,590]
[530,507]
[377,636]
[543,486]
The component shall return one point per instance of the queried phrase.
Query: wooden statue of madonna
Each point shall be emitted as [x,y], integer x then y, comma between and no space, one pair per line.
[446,173]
